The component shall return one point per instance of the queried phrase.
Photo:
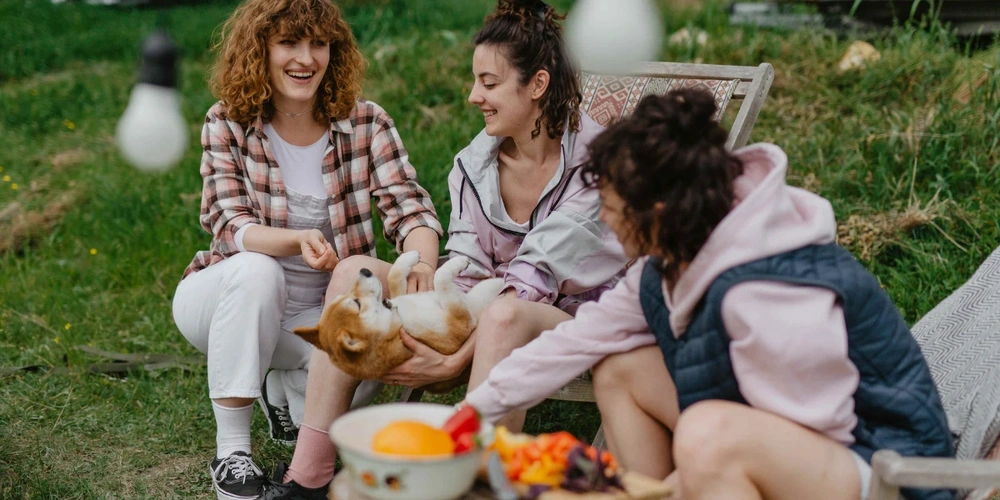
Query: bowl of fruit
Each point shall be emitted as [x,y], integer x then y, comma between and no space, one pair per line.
[412,451]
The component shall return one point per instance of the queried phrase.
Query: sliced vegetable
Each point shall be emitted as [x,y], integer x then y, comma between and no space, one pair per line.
[465,420]
[466,442]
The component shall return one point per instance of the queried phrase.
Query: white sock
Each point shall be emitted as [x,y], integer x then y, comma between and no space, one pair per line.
[276,388]
[232,431]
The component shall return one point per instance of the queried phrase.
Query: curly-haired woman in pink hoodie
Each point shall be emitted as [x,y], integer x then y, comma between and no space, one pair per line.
[746,355]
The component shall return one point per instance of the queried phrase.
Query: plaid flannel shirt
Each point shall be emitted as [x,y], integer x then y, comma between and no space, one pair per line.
[365,159]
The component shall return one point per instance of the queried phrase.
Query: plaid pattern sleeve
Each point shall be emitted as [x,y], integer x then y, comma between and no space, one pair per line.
[365,160]
[402,203]
[226,203]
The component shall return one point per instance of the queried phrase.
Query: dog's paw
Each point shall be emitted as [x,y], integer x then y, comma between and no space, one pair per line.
[408,259]
[461,262]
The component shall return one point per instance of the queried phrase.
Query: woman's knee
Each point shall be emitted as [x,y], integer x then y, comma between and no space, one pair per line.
[709,435]
[498,325]
[612,373]
[347,271]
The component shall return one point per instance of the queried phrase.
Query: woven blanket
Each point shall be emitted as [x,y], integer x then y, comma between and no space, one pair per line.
[960,338]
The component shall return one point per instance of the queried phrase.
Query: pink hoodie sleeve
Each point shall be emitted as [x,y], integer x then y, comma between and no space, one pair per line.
[613,324]
[793,361]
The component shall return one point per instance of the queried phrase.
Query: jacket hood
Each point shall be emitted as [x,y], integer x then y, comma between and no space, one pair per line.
[769,218]
[478,162]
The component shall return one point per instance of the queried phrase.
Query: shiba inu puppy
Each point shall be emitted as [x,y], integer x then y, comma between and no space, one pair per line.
[360,330]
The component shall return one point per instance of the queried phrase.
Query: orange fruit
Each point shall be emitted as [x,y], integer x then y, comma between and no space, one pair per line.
[411,438]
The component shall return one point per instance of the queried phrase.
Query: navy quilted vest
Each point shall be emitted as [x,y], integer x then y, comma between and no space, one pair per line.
[896,402]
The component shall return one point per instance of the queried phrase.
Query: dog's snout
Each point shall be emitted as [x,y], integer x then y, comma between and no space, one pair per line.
[366,273]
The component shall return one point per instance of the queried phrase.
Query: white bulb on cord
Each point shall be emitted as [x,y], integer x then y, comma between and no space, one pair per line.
[152,133]
[612,36]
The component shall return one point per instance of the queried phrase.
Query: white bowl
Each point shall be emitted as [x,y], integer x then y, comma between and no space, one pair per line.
[386,477]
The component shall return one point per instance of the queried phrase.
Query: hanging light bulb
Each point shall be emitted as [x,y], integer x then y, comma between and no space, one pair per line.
[152,134]
[611,36]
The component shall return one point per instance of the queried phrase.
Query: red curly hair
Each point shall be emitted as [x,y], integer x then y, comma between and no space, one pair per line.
[240,76]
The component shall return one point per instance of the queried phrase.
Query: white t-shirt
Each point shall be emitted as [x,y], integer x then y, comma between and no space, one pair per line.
[301,169]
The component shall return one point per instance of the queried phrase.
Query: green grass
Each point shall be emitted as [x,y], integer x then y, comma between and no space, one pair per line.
[104,274]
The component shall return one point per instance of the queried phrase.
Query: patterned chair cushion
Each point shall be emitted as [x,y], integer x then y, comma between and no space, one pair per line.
[608,99]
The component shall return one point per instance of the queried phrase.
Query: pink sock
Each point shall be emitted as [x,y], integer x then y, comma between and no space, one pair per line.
[314,458]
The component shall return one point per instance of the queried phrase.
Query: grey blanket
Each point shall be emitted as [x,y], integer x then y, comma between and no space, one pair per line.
[960,338]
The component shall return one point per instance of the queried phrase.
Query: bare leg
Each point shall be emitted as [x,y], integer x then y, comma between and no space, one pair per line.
[328,390]
[638,403]
[506,324]
[729,450]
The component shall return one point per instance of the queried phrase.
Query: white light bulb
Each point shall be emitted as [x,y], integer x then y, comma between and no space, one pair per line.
[611,36]
[152,134]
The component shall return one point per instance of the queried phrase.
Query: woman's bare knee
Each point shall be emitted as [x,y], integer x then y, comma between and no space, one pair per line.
[498,326]
[708,436]
[614,372]
[347,271]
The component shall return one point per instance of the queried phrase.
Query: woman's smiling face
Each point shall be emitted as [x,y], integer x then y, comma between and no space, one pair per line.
[508,107]
[296,69]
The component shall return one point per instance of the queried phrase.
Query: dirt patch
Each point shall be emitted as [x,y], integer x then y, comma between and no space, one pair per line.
[20,226]
[166,479]
[869,235]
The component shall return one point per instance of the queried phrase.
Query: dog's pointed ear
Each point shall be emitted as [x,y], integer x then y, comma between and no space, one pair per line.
[352,344]
[309,334]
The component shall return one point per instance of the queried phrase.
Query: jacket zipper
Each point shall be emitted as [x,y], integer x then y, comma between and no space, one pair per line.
[480,201]
[534,212]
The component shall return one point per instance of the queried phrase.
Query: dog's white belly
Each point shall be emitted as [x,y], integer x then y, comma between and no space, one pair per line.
[426,313]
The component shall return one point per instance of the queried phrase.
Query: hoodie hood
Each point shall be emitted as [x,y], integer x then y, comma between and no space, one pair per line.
[769,218]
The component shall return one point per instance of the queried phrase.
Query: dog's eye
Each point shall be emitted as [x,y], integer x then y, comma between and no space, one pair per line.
[358,302]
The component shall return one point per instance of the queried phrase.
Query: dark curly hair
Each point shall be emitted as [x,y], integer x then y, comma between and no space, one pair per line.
[530,38]
[669,164]
[240,77]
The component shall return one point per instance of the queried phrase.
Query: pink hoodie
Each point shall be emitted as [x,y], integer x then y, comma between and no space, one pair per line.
[789,342]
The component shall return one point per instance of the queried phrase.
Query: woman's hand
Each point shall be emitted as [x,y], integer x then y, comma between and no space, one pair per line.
[425,367]
[421,278]
[316,251]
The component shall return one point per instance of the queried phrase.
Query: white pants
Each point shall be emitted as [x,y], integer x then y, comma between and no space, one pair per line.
[241,314]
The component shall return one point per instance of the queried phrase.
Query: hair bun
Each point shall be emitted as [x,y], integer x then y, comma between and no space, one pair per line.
[526,8]
[687,114]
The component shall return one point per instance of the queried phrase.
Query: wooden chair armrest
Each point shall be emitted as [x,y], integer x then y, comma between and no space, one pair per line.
[890,471]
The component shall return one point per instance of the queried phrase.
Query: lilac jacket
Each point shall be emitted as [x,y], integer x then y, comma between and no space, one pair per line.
[789,342]
[563,256]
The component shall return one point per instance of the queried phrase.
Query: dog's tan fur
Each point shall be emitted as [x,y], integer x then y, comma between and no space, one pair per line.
[367,351]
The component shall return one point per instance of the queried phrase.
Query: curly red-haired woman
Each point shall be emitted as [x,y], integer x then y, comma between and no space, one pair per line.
[292,159]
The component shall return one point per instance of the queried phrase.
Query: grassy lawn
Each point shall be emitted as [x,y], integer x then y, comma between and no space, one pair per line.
[91,250]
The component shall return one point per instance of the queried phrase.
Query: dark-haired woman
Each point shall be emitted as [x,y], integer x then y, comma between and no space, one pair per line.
[746,355]
[520,208]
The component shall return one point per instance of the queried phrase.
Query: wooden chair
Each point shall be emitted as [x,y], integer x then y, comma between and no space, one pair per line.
[608,98]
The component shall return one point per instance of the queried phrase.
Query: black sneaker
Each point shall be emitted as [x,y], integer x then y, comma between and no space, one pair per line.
[236,477]
[283,430]
[276,490]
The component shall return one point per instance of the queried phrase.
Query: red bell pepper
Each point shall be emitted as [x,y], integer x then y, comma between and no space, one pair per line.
[465,442]
[465,420]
